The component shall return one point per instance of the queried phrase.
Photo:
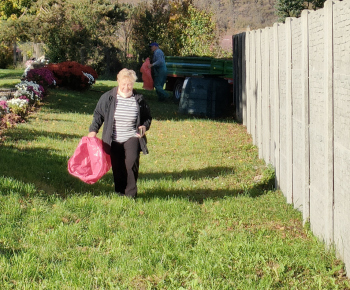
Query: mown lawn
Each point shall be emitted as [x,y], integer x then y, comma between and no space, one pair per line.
[206,217]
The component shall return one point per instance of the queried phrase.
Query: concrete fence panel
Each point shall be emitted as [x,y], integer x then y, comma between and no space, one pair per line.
[258,80]
[297,113]
[282,50]
[295,86]
[253,87]
[341,40]
[265,92]
[271,94]
[317,125]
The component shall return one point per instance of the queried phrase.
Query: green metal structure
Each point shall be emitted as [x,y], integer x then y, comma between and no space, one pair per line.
[180,68]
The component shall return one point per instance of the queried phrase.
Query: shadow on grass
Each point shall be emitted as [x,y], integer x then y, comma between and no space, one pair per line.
[9,252]
[10,74]
[198,195]
[66,101]
[48,172]
[41,166]
[24,134]
[9,84]
[208,172]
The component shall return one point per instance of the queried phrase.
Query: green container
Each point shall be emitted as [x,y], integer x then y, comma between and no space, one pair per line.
[205,97]
[187,66]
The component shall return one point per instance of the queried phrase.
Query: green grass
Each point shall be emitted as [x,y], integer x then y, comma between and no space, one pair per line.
[10,77]
[206,216]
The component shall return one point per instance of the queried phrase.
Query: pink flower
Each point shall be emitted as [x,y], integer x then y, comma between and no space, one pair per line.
[3,105]
[24,98]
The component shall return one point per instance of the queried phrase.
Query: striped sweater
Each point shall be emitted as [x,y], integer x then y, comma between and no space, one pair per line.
[125,117]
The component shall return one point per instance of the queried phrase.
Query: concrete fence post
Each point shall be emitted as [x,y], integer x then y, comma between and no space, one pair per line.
[253,87]
[236,72]
[244,78]
[305,114]
[239,79]
[277,106]
[328,26]
[272,104]
[249,81]
[258,68]
[289,112]
[266,95]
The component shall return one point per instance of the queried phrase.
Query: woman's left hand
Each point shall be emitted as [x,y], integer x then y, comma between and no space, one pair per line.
[141,131]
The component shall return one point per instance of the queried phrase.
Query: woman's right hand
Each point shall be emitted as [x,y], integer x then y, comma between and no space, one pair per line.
[92,134]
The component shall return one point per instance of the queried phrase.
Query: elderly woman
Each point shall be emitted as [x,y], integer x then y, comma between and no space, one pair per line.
[126,117]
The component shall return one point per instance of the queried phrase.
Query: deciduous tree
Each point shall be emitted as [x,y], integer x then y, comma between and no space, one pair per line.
[178,26]
[14,8]
[79,30]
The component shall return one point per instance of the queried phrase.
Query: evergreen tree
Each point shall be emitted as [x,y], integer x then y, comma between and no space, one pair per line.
[293,8]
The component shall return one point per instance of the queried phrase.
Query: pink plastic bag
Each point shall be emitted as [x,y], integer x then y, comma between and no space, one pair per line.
[146,75]
[89,161]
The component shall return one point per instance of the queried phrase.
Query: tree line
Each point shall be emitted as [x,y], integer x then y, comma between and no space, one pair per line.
[107,34]
[293,8]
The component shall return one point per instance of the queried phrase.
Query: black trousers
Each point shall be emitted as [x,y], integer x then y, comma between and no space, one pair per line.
[125,166]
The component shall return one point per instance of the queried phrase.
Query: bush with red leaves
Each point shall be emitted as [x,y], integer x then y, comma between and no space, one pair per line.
[73,75]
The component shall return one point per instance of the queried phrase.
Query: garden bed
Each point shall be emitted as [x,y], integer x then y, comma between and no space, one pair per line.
[16,103]
[8,93]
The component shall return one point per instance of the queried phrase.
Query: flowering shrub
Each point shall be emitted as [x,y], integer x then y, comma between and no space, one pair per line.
[4,109]
[31,90]
[24,98]
[73,75]
[90,77]
[29,62]
[9,120]
[19,106]
[42,76]
[28,94]
[34,63]
[36,81]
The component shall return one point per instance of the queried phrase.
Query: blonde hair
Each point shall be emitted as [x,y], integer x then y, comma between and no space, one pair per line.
[127,74]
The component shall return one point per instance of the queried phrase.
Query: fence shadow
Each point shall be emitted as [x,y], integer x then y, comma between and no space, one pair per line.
[62,100]
[48,172]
